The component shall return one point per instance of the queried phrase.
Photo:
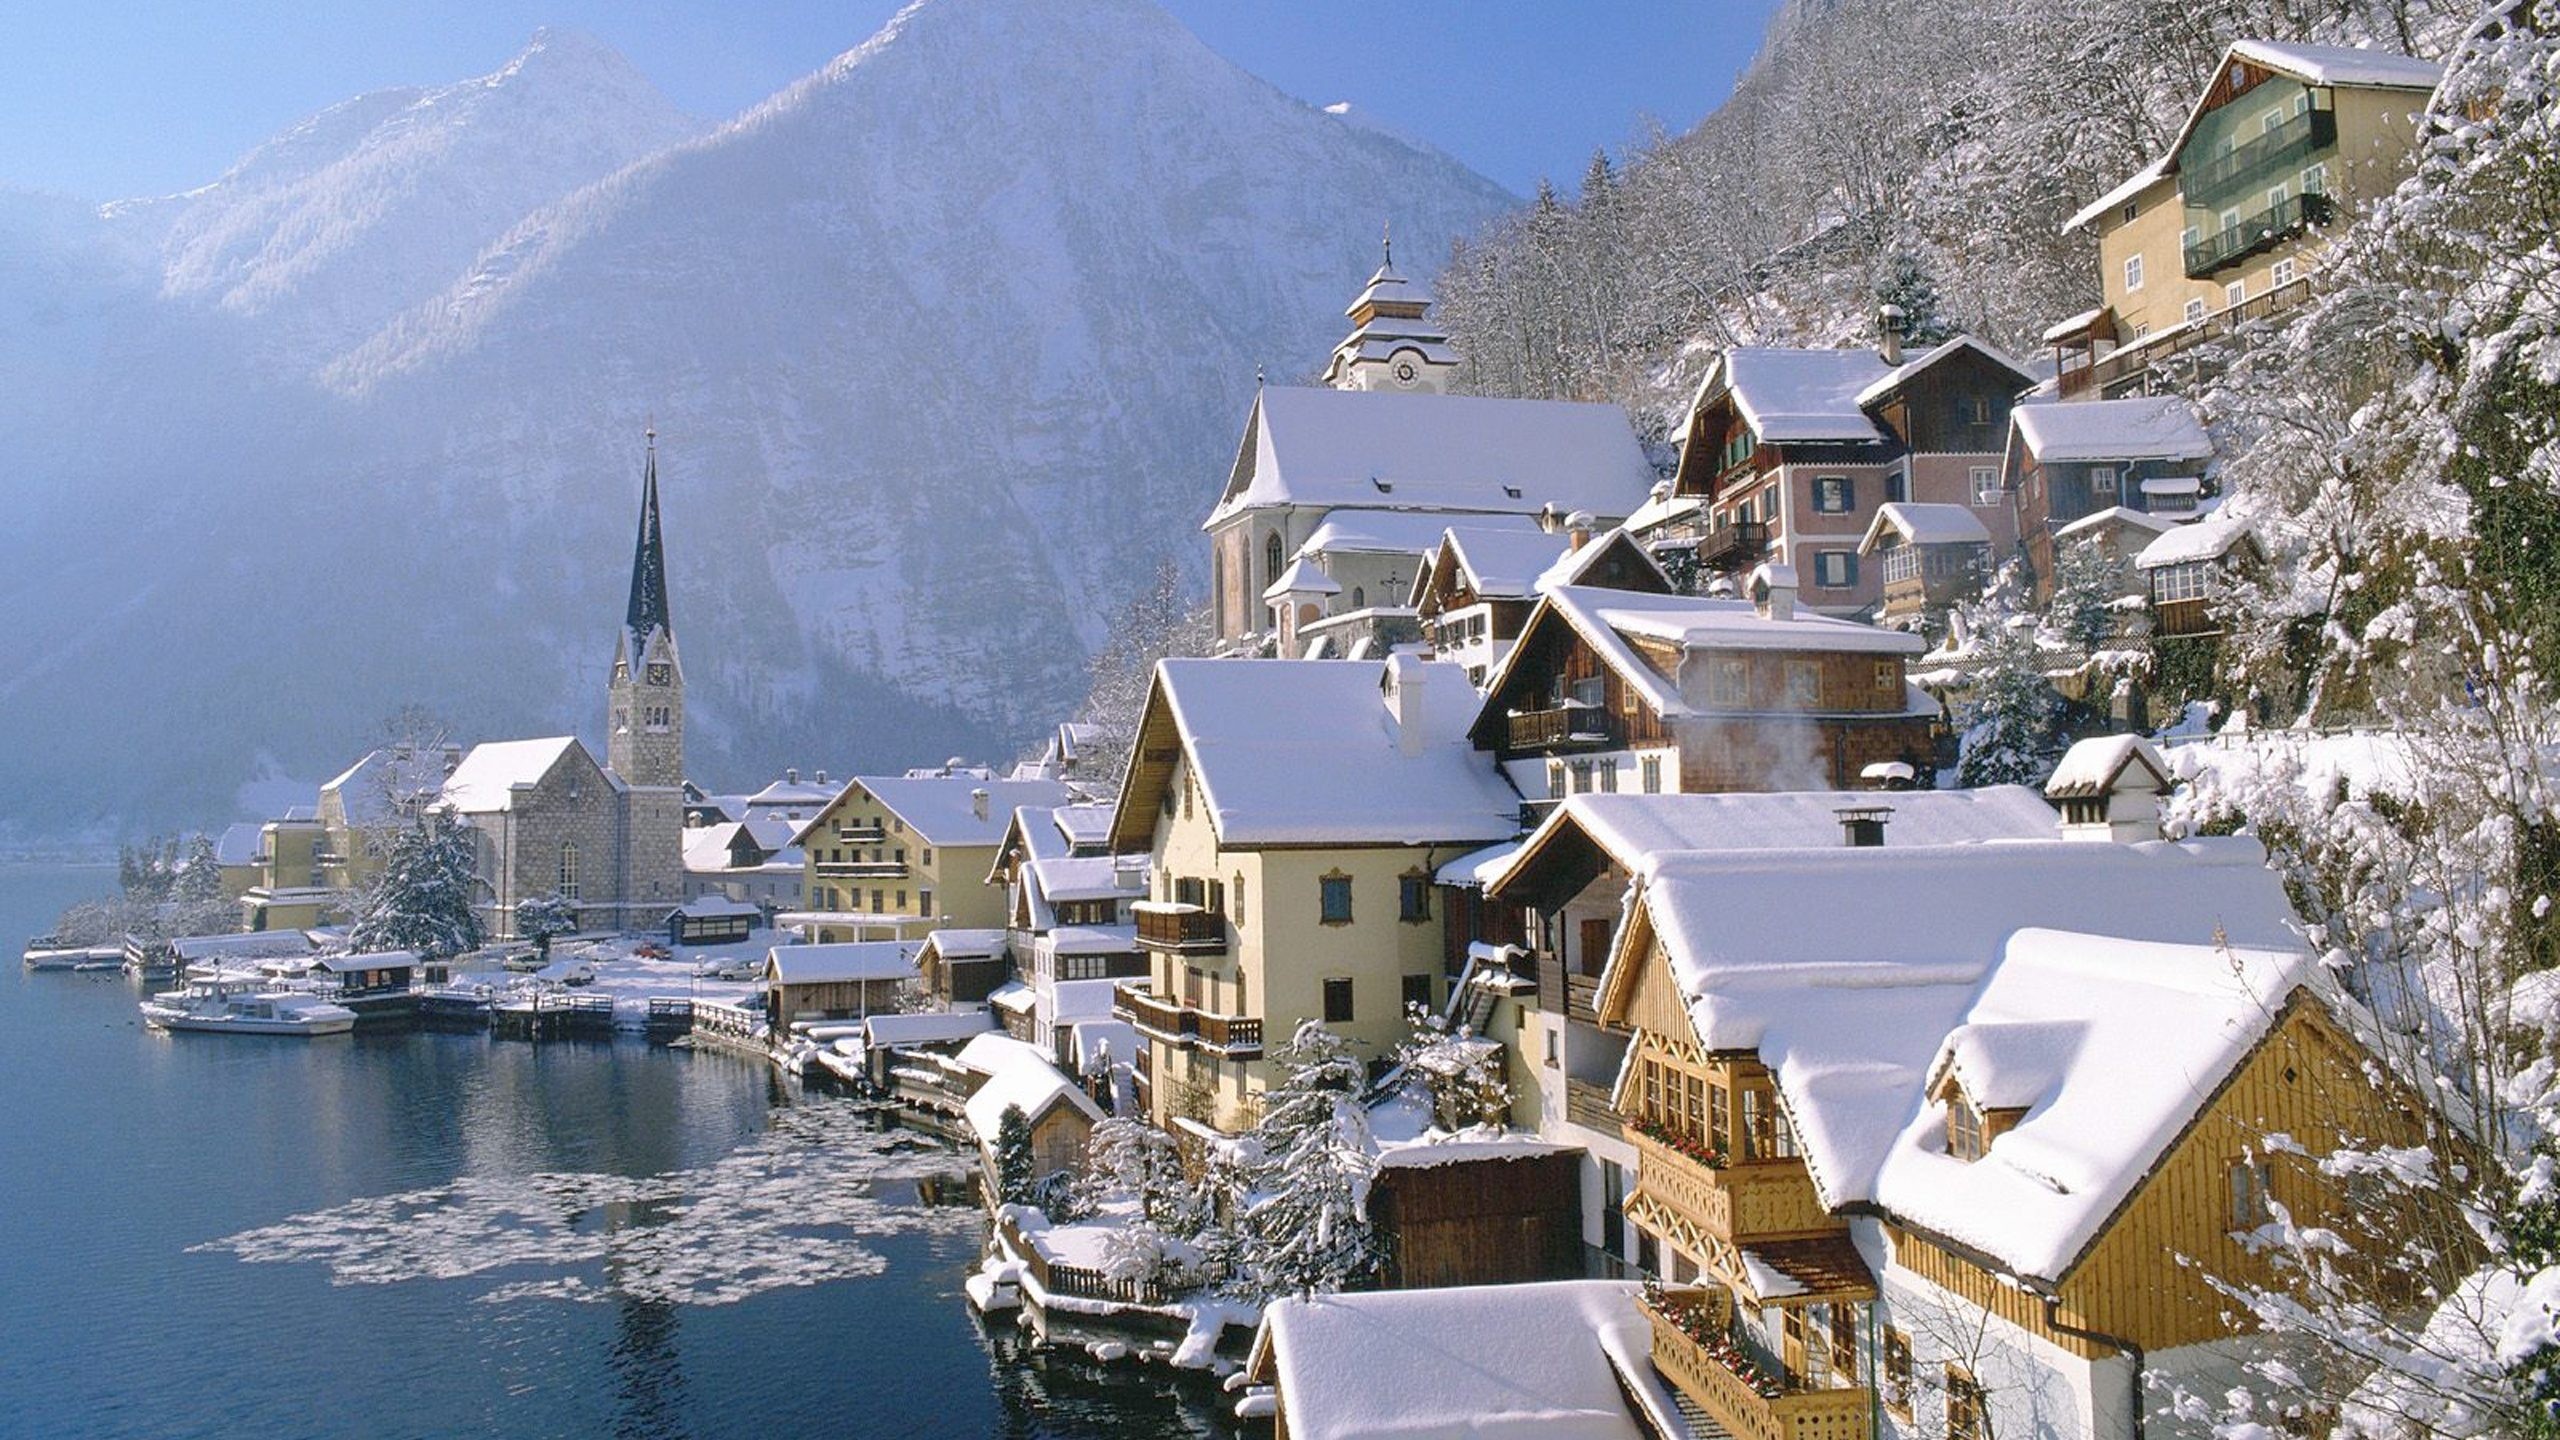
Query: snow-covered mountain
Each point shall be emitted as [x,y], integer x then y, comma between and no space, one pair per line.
[947,345]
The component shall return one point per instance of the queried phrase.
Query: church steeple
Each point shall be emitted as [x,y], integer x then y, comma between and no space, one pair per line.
[647,614]
[645,742]
[1392,345]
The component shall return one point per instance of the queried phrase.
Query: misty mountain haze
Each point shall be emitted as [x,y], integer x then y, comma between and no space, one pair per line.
[947,345]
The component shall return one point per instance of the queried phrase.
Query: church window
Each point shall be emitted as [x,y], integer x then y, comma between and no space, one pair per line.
[568,877]
[1271,560]
[622,720]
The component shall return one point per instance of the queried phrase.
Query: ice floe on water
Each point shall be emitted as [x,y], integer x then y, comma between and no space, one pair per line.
[789,1207]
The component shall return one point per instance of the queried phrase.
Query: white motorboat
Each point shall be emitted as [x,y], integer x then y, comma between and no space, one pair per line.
[229,1007]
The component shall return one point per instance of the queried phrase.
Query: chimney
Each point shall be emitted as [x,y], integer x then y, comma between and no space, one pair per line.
[1577,528]
[1773,591]
[822,777]
[1862,827]
[1405,681]
[978,802]
[955,764]
[790,776]
[452,758]
[1891,325]
[1547,520]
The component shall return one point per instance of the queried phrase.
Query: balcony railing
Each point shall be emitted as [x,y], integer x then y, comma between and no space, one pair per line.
[1733,547]
[2115,369]
[2233,169]
[863,869]
[1180,929]
[1733,1378]
[1739,1202]
[871,834]
[2256,233]
[1571,723]
[1238,1037]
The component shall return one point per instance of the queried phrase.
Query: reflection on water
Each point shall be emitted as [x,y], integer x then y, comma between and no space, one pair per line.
[444,1235]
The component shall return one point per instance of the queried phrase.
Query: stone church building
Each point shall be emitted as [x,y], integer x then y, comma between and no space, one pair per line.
[609,836]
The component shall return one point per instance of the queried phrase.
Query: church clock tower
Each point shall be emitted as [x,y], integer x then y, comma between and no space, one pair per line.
[645,740]
[1393,344]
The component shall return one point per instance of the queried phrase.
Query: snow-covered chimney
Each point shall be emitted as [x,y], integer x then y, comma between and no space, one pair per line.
[1405,679]
[1578,527]
[2109,789]
[1891,325]
[1773,591]
[452,758]
[822,777]
[790,776]
[978,802]
[1862,827]
[1548,520]
[955,764]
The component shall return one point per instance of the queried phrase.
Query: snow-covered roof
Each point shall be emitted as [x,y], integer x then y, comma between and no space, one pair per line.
[2090,767]
[241,844]
[1777,952]
[1885,384]
[1505,564]
[934,1027]
[1553,1360]
[366,788]
[1302,578]
[2134,184]
[706,847]
[2341,64]
[1398,532]
[370,960]
[2204,540]
[966,944]
[1308,752]
[1092,939]
[944,809]
[2118,515]
[2112,1047]
[842,964]
[2172,485]
[2065,329]
[1571,567]
[249,945]
[2147,427]
[1093,1038]
[1921,522]
[1631,827]
[712,907]
[1803,395]
[1382,450]
[1022,1079]
[485,781]
[1390,285]
[1085,823]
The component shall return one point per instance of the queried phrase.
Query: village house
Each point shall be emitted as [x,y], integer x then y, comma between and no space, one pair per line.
[1007,1074]
[838,981]
[2187,568]
[1070,922]
[2226,227]
[1612,690]
[1570,877]
[1388,461]
[1785,456]
[1473,593]
[237,853]
[961,968]
[292,891]
[2069,465]
[749,861]
[1968,1176]
[1931,557]
[899,856]
[1294,814]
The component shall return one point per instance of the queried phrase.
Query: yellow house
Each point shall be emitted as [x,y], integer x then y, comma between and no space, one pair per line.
[897,857]
[2286,140]
[294,890]
[1295,812]
[1930,1169]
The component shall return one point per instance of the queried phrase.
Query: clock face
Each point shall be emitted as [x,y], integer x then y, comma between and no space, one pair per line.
[1405,372]
[658,674]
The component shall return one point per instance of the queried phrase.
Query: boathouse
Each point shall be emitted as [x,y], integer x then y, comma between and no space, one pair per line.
[834,982]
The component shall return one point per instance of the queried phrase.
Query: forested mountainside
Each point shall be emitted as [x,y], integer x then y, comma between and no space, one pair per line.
[1910,143]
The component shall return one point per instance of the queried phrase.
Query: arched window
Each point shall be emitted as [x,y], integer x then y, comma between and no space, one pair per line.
[1359,597]
[568,886]
[1271,560]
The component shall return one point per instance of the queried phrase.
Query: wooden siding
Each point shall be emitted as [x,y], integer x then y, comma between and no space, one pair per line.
[1486,1222]
[1962,1277]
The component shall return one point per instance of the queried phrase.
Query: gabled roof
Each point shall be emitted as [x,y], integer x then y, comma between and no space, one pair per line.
[1776,953]
[2145,427]
[1555,1360]
[2351,65]
[1302,578]
[1612,547]
[365,789]
[1398,532]
[242,844]
[944,809]
[2092,767]
[485,781]
[1308,752]
[1590,832]
[2141,180]
[1019,1079]
[1503,564]
[1923,523]
[1382,450]
[2118,515]
[2204,540]
[1794,396]
[1894,379]
[842,964]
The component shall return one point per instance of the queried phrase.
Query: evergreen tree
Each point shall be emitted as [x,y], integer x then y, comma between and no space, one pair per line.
[199,879]
[1014,1161]
[1903,281]
[423,899]
[1303,1227]
[540,918]
[2082,612]
[2010,710]
[1461,1073]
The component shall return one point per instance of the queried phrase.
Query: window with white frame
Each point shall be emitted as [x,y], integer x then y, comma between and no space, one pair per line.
[1902,562]
[2195,310]
[2282,272]
[2133,272]
[1832,495]
[1649,769]
[568,875]
[2235,292]
[2102,480]
[1729,681]
[1835,569]
[2186,580]
[1804,684]
[1986,485]
[2315,181]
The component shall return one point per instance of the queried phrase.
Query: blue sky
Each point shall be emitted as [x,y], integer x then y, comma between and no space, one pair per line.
[138,97]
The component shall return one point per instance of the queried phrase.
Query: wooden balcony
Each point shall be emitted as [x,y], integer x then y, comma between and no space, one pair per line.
[2114,373]
[862,869]
[861,834]
[1739,1203]
[1180,929]
[1744,1408]
[1586,1103]
[1237,1037]
[1560,727]
[1728,548]
[2257,234]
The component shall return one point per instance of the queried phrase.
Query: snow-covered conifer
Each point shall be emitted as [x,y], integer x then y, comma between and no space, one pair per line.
[424,898]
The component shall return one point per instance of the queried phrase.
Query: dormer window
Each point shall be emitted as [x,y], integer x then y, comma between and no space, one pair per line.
[1965,1138]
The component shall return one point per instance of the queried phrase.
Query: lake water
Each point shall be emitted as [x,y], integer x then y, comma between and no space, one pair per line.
[429,1235]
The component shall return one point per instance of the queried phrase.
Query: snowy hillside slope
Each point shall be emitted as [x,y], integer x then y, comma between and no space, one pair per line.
[947,346]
